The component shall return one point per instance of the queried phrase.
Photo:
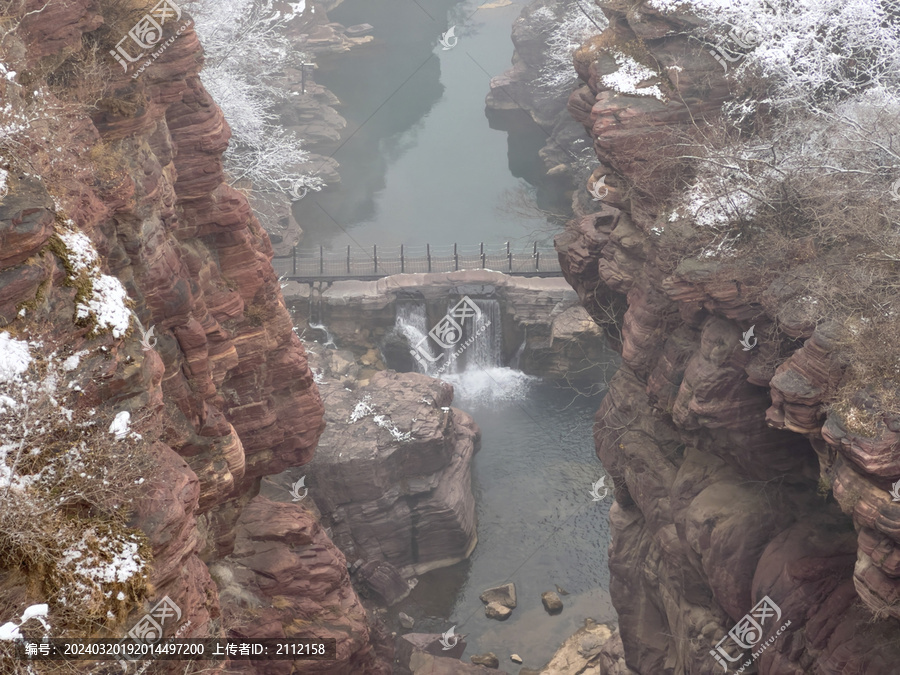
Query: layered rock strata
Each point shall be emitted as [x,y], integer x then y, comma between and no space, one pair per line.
[227,383]
[724,459]
[392,476]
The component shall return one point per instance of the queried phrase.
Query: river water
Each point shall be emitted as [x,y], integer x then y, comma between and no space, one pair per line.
[419,164]
[538,524]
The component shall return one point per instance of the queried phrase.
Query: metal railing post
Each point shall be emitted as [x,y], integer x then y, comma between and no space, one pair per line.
[428,253]
[295,260]
[537,261]
[348,259]
[321,260]
[508,256]
[402,267]
[455,258]
[482,260]
[375,256]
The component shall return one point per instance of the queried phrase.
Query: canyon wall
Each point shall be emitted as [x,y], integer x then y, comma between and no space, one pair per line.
[225,381]
[734,481]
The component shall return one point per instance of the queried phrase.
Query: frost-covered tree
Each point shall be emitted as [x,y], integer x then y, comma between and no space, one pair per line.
[809,54]
[247,54]
[818,83]
[801,173]
[580,20]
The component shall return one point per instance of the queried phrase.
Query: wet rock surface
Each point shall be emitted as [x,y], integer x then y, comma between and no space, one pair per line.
[488,660]
[502,595]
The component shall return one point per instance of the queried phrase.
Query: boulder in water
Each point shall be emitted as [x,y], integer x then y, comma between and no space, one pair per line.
[494,610]
[551,602]
[504,595]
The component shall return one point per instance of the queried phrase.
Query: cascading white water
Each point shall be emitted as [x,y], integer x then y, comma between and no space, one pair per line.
[474,363]
[329,338]
[486,349]
[411,322]
[521,350]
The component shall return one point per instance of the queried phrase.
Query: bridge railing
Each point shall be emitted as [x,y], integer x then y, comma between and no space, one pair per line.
[384,261]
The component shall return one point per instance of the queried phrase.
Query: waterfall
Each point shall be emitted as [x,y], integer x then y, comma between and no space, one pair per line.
[484,338]
[473,363]
[521,350]
[329,338]
[411,321]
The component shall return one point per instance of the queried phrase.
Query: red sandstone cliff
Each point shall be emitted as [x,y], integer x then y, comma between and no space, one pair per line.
[722,460]
[139,171]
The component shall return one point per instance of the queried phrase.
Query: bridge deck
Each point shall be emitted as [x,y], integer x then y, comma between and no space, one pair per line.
[306,265]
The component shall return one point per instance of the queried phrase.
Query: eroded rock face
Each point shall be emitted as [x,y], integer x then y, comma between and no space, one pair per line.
[721,456]
[228,381]
[527,91]
[392,474]
[284,570]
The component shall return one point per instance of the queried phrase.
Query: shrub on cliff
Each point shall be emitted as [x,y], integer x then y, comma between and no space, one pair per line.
[793,192]
[68,473]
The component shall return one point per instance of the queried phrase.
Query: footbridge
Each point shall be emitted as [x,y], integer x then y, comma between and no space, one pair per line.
[310,265]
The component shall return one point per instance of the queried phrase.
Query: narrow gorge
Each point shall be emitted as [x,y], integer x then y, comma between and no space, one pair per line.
[674,451]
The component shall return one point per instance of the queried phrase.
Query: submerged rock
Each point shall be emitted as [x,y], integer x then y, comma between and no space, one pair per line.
[406,620]
[494,610]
